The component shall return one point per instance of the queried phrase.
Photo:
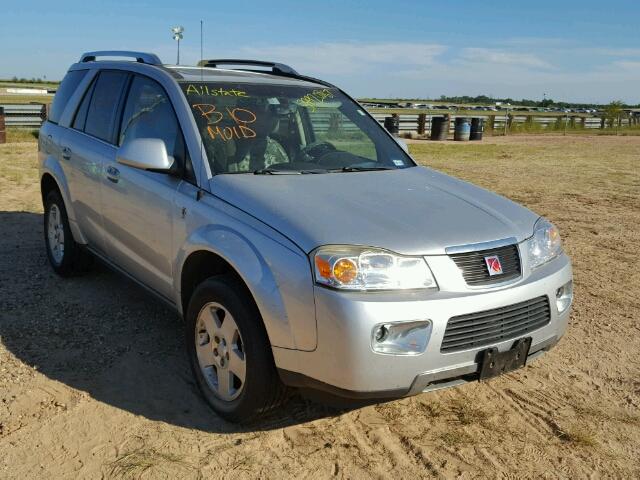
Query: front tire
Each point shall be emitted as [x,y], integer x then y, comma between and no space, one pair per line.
[65,255]
[229,351]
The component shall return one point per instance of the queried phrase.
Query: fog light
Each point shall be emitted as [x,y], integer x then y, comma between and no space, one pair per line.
[564,296]
[401,338]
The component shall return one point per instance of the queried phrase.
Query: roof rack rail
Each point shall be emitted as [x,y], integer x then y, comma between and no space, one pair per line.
[141,57]
[276,68]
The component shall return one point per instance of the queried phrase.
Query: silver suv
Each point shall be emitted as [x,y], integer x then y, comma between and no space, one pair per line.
[298,239]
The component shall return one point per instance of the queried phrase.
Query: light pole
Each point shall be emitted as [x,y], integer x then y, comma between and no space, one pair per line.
[177,35]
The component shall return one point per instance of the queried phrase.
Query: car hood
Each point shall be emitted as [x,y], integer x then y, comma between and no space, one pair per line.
[412,211]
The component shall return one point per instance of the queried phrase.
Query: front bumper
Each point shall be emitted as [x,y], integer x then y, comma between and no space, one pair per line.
[345,364]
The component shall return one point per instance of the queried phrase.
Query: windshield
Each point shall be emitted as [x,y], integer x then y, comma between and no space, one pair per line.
[249,128]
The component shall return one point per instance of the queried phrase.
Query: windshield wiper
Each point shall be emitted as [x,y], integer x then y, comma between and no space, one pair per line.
[362,169]
[273,171]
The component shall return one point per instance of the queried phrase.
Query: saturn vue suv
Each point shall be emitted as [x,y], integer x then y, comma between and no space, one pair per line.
[299,241]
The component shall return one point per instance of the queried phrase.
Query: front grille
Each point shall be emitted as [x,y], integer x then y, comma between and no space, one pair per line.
[494,326]
[474,268]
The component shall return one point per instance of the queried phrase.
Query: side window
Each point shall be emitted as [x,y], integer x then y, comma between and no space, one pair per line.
[69,84]
[148,114]
[103,106]
[81,115]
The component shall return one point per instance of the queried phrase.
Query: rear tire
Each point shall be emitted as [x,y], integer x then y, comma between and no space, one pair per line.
[229,351]
[67,258]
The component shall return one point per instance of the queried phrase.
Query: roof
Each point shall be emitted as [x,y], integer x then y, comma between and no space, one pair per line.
[280,74]
[206,74]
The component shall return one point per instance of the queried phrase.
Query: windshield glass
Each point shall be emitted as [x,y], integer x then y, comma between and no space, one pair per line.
[287,129]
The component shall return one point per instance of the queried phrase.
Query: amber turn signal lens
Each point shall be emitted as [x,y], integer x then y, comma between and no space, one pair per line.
[324,268]
[345,271]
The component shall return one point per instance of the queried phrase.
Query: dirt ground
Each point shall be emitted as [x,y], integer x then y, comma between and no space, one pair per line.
[94,382]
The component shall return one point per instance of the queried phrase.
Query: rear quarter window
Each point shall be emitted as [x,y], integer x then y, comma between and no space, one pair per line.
[68,86]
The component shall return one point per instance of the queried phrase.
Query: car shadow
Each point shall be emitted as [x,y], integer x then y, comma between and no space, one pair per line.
[102,334]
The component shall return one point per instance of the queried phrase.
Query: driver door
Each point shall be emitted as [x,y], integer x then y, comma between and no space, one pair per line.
[139,206]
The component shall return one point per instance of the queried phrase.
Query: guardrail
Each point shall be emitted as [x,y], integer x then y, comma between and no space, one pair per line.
[24,115]
[32,115]
[421,123]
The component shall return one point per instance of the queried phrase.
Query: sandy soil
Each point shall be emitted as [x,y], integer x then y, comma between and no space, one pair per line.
[94,382]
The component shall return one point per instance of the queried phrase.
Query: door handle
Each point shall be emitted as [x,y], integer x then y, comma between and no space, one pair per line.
[113,174]
[66,153]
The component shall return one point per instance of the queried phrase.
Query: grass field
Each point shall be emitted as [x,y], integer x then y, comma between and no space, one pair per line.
[11,98]
[25,98]
[94,382]
[43,85]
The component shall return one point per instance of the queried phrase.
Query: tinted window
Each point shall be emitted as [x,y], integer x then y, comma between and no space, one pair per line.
[148,114]
[81,114]
[104,104]
[67,87]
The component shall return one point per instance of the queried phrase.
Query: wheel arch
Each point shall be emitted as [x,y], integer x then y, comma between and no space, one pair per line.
[53,177]
[203,262]
[200,265]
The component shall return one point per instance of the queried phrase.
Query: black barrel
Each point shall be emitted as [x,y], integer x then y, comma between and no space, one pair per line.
[477,127]
[392,124]
[439,128]
[462,130]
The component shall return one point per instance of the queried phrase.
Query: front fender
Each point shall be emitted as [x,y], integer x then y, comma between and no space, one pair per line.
[278,277]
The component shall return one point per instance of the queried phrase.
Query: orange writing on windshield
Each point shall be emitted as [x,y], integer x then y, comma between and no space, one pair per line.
[241,117]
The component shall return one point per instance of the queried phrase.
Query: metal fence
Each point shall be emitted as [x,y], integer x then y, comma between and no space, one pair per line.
[411,122]
[24,115]
[32,115]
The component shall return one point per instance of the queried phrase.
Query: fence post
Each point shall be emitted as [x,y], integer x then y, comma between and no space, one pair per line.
[422,122]
[602,122]
[3,133]
[583,122]
[572,122]
[491,123]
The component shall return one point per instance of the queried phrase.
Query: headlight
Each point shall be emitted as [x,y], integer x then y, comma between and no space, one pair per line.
[545,244]
[361,268]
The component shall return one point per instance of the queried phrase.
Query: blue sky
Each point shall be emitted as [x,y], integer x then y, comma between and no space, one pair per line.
[571,50]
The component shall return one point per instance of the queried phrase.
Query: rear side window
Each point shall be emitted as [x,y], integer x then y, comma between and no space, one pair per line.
[81,114]
[68,86]
[103,107]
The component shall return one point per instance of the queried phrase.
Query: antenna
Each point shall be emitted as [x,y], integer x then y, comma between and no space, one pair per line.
[203,170]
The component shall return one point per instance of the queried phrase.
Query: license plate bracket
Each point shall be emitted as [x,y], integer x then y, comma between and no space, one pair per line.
[494,363]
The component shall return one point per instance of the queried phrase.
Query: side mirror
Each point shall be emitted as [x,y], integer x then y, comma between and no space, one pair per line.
[145,154]
[402,143]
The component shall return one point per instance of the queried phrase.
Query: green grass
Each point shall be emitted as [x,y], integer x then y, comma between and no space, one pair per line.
[4,99]
[18,135]
[43,85]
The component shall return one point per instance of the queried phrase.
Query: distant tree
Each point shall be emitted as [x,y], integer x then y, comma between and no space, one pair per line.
[614,112]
